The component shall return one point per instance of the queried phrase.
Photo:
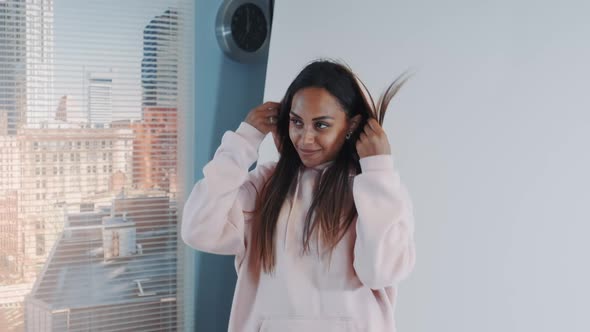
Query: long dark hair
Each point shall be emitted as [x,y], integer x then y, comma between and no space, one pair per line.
[332,207]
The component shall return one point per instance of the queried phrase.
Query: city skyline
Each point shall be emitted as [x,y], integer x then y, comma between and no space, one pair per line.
[97,130]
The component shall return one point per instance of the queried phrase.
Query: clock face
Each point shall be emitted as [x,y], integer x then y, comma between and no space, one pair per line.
[248,27]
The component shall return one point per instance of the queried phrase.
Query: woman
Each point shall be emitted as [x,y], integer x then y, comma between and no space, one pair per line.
[323,236]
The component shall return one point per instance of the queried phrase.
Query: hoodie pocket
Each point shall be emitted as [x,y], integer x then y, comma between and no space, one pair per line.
[308,325]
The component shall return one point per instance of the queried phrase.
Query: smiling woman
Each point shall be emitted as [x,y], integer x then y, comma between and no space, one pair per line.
[320,131]
[331,219]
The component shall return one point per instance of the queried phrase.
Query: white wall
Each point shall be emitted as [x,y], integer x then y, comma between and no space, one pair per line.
[491,136]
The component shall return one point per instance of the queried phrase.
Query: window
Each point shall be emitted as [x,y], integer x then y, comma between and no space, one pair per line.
[74,76]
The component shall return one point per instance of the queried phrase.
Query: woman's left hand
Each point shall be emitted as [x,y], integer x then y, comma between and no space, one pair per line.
[372,140]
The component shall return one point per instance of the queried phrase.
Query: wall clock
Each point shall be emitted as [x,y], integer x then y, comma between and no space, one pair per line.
[243,29]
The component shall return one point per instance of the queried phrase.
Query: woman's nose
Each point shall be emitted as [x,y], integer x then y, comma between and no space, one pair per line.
[308,136]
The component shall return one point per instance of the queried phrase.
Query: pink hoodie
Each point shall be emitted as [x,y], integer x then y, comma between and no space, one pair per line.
[355,291]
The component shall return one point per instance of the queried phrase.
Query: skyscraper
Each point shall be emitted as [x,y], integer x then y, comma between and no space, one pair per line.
[26,63]
[155,136]
[12,65]
[159,67]
[100,98]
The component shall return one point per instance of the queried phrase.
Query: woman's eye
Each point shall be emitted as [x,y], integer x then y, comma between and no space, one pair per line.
[296,122]
[321,125]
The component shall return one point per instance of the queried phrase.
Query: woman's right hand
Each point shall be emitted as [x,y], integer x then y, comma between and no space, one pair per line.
[264,117]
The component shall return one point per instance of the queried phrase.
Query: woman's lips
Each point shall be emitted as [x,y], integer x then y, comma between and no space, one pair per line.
[307,153]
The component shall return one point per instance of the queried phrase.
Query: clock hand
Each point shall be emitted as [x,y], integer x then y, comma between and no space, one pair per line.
[247,19]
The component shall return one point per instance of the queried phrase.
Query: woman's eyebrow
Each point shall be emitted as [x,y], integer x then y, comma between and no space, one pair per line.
[325,117]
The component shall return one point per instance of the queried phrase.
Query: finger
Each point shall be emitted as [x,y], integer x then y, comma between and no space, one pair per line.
[362,136]
[268,106]
[272,120]
[372,124]
[271,104]
[271,110]
[268,116]
[367,131]
[377,128]
[368,128]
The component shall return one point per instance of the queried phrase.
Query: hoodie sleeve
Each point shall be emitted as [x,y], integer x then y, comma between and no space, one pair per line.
[384,251]
[214,213]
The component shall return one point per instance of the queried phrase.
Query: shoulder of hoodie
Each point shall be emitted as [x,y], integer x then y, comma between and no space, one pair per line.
[267,167]
[262,172]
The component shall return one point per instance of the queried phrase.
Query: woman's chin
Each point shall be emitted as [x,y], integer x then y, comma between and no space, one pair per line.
[311,162]
[310,159]
[307,162]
